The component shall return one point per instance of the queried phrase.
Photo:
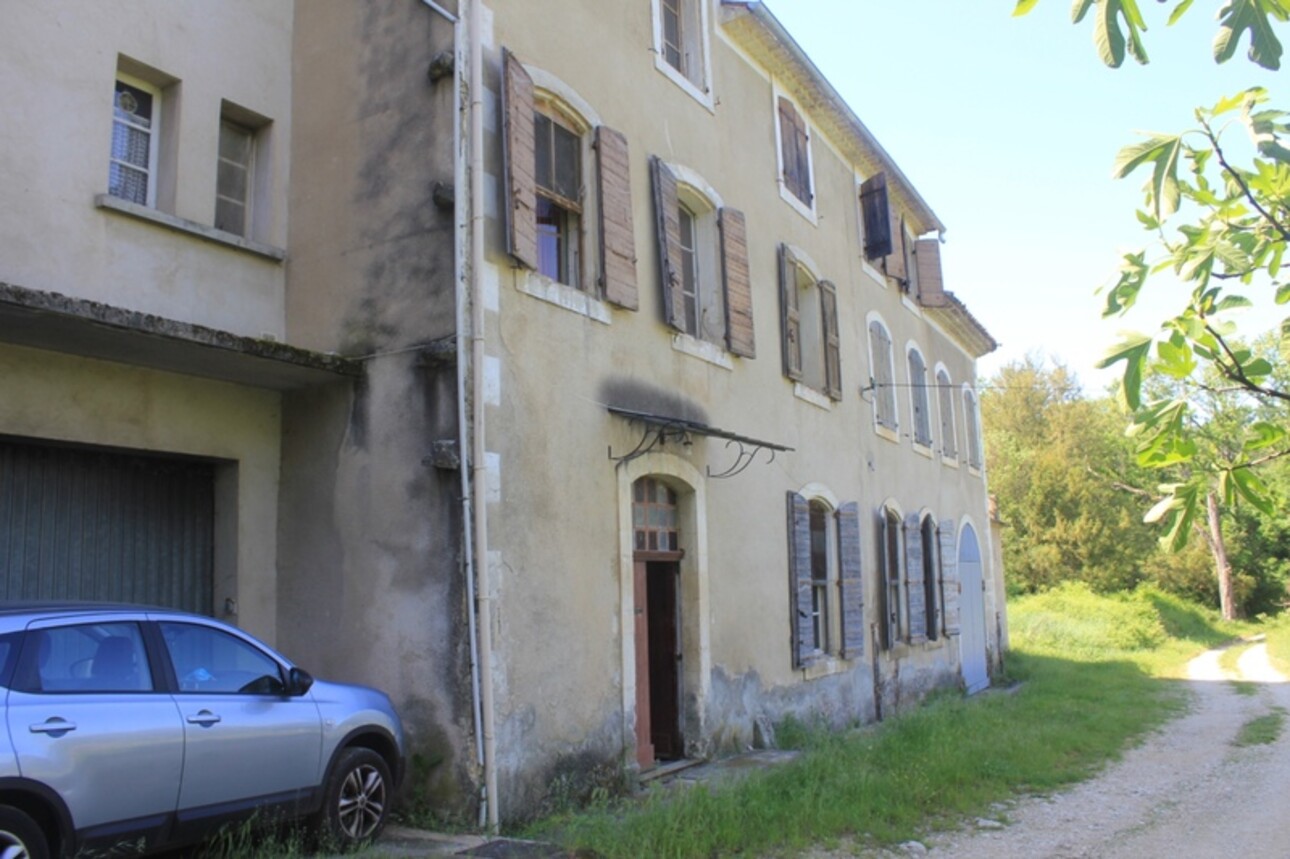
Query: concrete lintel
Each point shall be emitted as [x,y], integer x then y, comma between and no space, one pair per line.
[90,329]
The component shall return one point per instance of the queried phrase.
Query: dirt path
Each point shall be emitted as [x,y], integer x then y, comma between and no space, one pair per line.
[1186,793]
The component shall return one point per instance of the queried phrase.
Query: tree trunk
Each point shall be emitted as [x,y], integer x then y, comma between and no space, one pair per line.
[1226,594]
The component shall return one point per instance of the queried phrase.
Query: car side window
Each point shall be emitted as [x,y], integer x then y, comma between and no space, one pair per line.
[209,660]
[90,657]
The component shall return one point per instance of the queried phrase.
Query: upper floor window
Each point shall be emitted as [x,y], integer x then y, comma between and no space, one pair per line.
[918,398]
[945,401]
[809,316]
[136,118]
[552,221]
[558,174]
[233,177]
[882,376]
[795,153]
[972,420]
[681,44]
[703,261]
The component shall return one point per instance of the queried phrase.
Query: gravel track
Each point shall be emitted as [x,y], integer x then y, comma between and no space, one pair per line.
[1187,792]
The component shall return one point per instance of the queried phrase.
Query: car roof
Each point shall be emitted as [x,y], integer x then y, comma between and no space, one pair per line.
[11,608]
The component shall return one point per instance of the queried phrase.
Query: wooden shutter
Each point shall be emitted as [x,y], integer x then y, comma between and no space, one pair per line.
[850,584]
[895,265]
[915,585]
[877,221]
[667,223]
[617,240]
[799,578]
[520,161]
[789,315]
[949,576]
[737,282]
[832,343]
[931,284]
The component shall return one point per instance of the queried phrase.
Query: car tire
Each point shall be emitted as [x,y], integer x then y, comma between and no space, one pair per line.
[20,837]
[356,800]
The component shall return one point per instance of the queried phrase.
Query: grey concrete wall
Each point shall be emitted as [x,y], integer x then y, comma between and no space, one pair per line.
[371,583]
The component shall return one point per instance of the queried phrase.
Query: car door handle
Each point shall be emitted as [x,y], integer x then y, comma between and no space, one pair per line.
[53,725]
[205,718]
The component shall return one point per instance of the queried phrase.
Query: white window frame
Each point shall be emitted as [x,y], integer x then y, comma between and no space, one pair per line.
[918,392]
[891,433]
[945,408]
[806,211]
[972,415]
[154,135]
[249,168]
[701,90]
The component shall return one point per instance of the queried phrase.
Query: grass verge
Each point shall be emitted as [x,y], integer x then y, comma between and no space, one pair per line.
[1094,673]
[1263,730]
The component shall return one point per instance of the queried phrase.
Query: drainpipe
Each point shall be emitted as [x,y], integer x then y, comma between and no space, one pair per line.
[463,208]
[479,475]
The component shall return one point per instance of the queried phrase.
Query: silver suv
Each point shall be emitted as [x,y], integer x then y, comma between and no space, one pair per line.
[130,729]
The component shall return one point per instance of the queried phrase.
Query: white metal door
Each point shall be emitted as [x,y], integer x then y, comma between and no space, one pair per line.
[972,613]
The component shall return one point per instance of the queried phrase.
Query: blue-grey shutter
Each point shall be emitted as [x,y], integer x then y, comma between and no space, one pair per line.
[915,586]
[877,221]
[790,316]
[799,577]
[832,342]
[667,230]
[949,576]
[850,583]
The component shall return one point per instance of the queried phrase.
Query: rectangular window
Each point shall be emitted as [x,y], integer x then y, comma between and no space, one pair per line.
[558,174]
[233,177]
[133,165]
[918,399]
[681,44]
[819,577]
[689,272]
[673,53]
[795,152]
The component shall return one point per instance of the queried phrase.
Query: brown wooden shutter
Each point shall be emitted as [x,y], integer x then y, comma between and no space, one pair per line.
[896,259]
[789,315]
[832,343]
[799,578]
[931,284]
[667,223]
[915,584]
[788,143]
[617,240]
[877,222]
[949,576]
[738,283]
[520,161]
[850,584]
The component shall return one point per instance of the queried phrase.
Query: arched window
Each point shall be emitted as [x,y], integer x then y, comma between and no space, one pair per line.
[883,375]
[945,401]
[918,398]
[972,420]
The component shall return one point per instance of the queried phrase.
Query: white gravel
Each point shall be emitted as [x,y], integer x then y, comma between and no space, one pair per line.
[1185,793]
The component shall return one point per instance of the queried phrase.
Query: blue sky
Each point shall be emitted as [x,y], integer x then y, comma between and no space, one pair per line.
[1008,127]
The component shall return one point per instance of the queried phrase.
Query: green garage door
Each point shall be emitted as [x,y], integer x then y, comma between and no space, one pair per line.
[92,524]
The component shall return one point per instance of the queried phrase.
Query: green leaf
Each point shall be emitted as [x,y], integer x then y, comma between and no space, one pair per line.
[1133,276]
[1024,7]
[1176,358]
[1181,504]
[1106,33]
[1133,350]
[1232,302]
[1163,189]
[1283,295]
[1257,369]
[1250,487]
[1179,11]
[1235,18]
[1079,9]
[1227,104]
[1262,435]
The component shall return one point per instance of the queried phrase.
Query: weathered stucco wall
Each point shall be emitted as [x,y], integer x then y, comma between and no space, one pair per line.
[563,568]
[45,395]
[371,580]
[57,142]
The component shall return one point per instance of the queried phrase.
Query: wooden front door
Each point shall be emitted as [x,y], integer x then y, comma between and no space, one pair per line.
[656,598]
[664,612]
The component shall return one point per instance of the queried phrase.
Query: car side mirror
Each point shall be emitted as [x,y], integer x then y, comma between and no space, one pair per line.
[298,682]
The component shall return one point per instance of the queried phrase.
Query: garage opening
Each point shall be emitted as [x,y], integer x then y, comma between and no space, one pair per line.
[82,523]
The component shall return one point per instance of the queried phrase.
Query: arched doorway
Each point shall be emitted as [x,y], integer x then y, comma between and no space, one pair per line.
[656,561]
[972,642]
